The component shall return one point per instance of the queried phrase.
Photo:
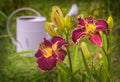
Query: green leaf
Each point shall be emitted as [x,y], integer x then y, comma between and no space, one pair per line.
[104,41]
[63,67]
[85,62]
[67,21]
[84,77]
[39,76]
[77,71]
[98,62]
[62,76]
[23,53]
[75,52]
[3,14]
[104,58]
[103,74]
[3,36]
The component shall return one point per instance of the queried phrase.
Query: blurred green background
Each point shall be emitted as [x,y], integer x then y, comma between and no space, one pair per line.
[16,68]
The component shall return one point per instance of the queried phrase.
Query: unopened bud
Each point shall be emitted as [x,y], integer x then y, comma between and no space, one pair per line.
[110,22]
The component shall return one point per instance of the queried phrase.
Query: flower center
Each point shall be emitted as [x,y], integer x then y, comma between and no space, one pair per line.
[90,28]
[54,46]
[47,52]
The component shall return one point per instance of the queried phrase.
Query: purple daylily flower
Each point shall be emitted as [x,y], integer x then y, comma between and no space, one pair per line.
[91,28]
[50,52]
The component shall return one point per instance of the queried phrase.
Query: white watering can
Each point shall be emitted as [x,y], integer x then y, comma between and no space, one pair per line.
[29,30]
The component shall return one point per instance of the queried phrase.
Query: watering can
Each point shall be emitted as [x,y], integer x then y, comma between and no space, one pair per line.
[29,30]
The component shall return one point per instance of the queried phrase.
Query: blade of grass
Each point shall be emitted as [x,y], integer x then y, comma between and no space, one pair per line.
[3,14]
[63,68]
[4,36]
[21,53]
[39,76]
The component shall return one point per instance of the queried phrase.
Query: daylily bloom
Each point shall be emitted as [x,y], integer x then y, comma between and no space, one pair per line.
[91,28]
[50,52]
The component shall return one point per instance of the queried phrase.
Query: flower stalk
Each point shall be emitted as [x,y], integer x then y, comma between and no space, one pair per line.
[107,56]
[69,56]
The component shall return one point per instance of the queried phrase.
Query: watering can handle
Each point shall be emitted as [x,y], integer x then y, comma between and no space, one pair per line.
[9,19]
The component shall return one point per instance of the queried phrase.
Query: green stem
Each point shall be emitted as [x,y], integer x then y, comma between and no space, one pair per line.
[108,43]
[108,38]
[70,62]
[85,63]
[108,7]
[107,56]
[69,56]
[109,67]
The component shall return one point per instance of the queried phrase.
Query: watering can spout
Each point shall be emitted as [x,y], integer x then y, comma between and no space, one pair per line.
[29,30]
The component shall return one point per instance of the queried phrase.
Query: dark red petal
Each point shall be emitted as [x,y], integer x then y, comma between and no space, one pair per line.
[56,38]
[47,64]
[38,53]
[47,43]
[77,34]
[89,19]
[101,25]
[60,41]
[96,39]
[61,55]
[81,22]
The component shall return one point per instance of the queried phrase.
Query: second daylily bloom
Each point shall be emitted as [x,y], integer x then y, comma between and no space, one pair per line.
[50,52]
[91,28]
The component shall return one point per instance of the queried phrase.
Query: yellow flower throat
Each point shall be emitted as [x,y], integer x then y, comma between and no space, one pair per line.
[47,51]
[90,28]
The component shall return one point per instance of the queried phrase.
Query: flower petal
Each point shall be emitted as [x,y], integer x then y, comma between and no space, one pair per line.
[56,38]
[47,64]
[101,25]
[96,39]
[47,43]
[77,34]
[39,53]
[60,41]
[61,55]
[81,22]
[89,19]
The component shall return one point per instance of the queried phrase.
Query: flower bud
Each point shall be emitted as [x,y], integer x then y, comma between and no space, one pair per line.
[98,57]
[50,29]
[57,17]
[110,22]
[67,21]
[85,51]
